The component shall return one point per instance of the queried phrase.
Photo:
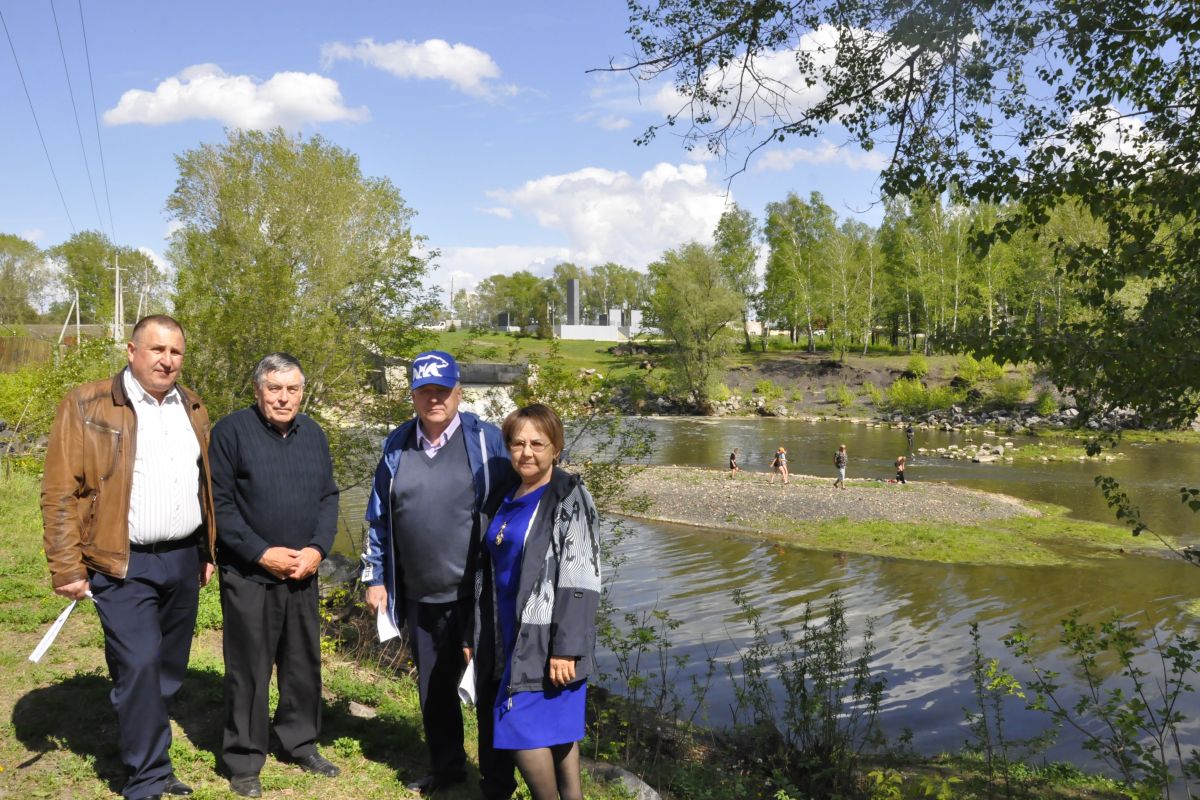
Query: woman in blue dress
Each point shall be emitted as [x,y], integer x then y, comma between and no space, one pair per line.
[541,567]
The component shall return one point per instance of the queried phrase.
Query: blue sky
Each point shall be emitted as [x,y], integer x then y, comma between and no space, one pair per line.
[482,114]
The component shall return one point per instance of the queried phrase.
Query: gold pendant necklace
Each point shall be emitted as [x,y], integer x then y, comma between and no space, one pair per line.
[499,540]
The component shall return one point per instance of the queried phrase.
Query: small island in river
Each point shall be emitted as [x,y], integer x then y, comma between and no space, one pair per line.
[920,520]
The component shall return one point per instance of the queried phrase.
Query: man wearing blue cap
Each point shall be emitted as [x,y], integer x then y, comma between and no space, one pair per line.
[426,516]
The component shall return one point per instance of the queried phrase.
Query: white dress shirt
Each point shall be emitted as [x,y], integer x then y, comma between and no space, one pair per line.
[431,446]
[164,497]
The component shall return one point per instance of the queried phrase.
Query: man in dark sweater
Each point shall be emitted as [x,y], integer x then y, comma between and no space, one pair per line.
[276,506]
[426,511]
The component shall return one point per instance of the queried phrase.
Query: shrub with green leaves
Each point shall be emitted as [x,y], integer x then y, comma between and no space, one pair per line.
[768,389]
[873,394]
[1045,403]
[1009,392]
[975,371]
[720,393]
[907,395]
[918,365]
[939,398]
[840,395]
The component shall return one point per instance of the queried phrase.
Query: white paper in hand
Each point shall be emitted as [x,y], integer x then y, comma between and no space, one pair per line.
[466,687]
[51,634]
[383,623]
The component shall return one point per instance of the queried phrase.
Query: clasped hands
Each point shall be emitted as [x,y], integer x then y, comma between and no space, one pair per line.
[288,564]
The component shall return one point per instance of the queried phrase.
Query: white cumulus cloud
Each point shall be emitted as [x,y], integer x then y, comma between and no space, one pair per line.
[467,68]
[205,91]
[609,215]
[611,122]
[467,266]
[603,215]
[825,152]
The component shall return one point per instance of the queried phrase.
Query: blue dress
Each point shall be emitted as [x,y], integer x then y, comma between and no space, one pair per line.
[525,720]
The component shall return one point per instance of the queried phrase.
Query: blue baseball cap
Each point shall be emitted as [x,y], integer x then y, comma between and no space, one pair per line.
[436,367]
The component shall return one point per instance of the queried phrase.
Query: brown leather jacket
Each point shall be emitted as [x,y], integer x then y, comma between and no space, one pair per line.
[89,472]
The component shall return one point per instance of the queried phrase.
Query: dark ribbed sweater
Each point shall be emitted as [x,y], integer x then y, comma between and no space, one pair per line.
[270,490]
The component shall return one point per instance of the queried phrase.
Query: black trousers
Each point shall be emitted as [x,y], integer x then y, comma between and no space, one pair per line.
[148,619]
[436,637]
[270,625]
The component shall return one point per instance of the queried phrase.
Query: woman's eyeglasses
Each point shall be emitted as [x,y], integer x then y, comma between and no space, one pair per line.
[518,445]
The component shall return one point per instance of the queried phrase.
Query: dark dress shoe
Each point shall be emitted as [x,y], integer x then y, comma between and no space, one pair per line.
[246,785]
[431,783]
[318,764]
[176,787]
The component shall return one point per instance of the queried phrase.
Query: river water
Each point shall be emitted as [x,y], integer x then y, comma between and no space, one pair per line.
[920,611]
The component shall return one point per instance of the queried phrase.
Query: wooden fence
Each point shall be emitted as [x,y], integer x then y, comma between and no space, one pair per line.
[20,351]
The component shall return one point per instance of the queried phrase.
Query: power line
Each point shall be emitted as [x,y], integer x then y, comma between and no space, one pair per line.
[74,110]
[96,117]
[36,124]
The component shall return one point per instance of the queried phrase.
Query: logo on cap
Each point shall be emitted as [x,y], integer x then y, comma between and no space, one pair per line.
[429,366]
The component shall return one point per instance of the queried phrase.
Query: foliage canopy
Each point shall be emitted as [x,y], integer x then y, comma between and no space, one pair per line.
[1036,104]
[285,245]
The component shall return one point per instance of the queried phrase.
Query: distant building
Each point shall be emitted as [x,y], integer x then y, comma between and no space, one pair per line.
[629,325]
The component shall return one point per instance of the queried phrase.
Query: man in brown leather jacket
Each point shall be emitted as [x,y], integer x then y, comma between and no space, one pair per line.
[127,514]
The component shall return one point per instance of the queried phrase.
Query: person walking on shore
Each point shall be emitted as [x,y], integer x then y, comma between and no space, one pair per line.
[839,461]
[900,470]
[733,465]
[779,465]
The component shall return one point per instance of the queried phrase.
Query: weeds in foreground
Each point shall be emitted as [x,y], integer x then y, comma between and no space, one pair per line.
[831,699]
[993,688]
[1133,724]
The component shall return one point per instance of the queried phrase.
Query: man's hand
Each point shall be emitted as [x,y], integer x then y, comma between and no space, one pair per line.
[562,670]
[307,561]
[206,573]
[279,561]
[76,590]
[466,655]
[376,598]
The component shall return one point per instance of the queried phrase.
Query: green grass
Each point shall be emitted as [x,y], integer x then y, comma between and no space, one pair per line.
[470,347]
[58,738]
[1051,539]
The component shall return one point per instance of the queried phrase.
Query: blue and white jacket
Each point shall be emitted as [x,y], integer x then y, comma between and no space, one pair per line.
[492,471]
[558,591]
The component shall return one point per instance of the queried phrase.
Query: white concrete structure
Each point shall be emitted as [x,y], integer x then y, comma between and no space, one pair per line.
[603,333]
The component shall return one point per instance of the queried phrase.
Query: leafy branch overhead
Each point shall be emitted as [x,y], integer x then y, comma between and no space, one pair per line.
[1032,105]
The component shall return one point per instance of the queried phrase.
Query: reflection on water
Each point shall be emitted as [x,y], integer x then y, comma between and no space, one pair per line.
[921,611]
[921,614]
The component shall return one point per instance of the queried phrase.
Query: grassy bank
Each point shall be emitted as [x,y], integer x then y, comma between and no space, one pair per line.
[60,736]
[470,346]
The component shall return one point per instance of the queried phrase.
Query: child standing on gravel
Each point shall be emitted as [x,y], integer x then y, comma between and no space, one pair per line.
[779,465]
[733,465]
[839,462]
[900,470]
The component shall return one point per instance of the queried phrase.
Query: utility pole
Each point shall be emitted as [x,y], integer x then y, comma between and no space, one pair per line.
[118,329]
